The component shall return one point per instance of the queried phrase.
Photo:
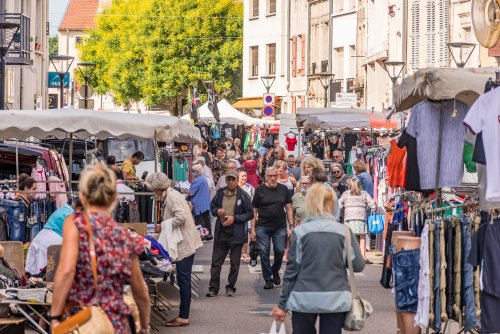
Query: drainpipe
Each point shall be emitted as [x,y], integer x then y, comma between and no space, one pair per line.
[288,28]
[330,39]
[308,42]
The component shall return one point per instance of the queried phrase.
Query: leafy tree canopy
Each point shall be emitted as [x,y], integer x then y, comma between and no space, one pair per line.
[152,50]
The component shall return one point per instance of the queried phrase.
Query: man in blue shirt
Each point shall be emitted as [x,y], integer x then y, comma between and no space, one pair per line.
[199,194]
[51,234]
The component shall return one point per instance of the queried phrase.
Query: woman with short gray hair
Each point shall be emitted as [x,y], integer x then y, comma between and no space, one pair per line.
[176,209]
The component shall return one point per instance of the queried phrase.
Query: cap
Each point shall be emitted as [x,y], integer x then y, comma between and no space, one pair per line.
[231,173]
[198,159]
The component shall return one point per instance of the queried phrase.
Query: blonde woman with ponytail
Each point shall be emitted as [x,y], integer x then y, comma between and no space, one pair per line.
[116,254]
[315,282]
[356,203]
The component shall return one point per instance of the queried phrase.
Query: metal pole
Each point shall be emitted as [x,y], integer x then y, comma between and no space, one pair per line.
[61,89]
[438,169]
[70,160]
[156,151]
[85,95]
[2,83]
[17,165]
[326,96]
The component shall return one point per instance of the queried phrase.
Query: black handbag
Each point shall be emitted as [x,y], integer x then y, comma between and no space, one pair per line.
[253,250]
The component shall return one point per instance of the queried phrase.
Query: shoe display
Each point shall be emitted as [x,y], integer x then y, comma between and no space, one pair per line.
[211,293]
[268,285]
[276,279]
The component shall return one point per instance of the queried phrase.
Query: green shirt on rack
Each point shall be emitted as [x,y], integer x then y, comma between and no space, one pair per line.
[181,169]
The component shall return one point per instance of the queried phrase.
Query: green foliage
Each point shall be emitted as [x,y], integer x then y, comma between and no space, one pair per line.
[152,50]
[53,46]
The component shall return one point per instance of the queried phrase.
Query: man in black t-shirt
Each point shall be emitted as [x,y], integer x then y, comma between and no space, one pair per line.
[272,204]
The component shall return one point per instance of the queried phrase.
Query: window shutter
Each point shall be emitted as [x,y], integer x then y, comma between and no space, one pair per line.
[294,56]
[415,35]
[302,99]
[303,54]
[431,33]
[443,34]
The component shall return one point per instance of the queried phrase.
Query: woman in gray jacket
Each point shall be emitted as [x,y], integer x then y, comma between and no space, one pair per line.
[315,283]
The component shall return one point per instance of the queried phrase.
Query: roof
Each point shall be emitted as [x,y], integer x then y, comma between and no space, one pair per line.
[80,15]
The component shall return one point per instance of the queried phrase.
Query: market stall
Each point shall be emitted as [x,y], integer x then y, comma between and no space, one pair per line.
[435,220]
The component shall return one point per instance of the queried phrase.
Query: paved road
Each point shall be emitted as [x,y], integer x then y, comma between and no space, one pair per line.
[248,311]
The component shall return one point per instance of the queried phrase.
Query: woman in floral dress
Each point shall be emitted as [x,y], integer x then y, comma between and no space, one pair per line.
[117,253]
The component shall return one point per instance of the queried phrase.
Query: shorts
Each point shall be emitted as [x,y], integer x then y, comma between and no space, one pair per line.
[358,227]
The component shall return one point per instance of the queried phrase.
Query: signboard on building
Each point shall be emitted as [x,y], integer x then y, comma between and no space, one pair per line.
[347,100]
[55,82]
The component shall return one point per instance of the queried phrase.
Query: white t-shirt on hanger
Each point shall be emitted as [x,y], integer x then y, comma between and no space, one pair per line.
[484,116]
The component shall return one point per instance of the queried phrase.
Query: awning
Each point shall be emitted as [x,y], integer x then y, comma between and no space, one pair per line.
[227,114]
[463,84]
[82,123]
[349,119]
[249,103]
[304,113]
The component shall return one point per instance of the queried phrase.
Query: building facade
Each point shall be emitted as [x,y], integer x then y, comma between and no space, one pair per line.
[28,57]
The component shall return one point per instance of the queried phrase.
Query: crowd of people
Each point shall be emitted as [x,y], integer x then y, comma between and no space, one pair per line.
[258,195]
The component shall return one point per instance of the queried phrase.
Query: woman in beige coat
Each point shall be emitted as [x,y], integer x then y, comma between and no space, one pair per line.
[176,209]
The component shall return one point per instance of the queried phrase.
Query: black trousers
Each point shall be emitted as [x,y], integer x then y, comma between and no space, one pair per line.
[220,251]
[329,323]
[203,219]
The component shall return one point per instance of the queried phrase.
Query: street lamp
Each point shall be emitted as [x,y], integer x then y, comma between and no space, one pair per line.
[86,70]
[394,70]
[7,32]
[461,47]
[268,81]
[62,72]
[326,79]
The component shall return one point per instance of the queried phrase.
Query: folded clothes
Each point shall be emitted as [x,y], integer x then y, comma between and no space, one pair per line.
[37,295]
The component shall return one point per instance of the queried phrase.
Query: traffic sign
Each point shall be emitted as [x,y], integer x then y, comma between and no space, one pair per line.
[86,91]
[268,111]
[268,99]
[81,104]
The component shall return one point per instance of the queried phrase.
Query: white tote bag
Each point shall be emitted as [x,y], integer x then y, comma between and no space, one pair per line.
[274,328]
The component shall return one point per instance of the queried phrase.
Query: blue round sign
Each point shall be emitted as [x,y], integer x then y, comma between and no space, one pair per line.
[268,111]
[269,99]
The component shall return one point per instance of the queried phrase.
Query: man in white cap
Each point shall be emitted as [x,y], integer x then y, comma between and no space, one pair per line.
[206,171]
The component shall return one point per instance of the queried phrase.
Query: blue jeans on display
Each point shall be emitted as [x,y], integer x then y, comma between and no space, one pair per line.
[184,269]
[471,320]
[264,237]
[406,268]
[16,216]
[437,279]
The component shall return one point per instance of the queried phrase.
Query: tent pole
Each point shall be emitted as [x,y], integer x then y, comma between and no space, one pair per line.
[156,151]
[439,202]
[17,165]
[70,161]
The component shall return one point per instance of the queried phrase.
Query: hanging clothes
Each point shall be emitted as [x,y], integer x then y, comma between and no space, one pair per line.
[396,166]
[38,173]
[181,169]
[291,142]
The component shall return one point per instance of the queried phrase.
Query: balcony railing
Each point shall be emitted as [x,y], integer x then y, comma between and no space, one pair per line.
[19,52]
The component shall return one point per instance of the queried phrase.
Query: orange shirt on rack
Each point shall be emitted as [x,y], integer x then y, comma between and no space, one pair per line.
[396,166]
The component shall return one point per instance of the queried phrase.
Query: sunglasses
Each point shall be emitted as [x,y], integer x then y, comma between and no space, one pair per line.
[337,156]
[337,172]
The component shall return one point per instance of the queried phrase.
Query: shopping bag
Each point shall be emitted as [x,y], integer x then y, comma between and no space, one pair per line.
[375,223]
[274,328]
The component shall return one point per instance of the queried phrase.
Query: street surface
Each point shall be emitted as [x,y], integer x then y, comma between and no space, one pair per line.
[248,311]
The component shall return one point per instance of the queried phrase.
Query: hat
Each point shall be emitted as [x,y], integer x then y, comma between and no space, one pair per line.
[232,174]
[198,159]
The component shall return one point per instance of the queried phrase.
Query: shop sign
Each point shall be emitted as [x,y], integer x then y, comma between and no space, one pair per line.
[346,100]
[55,82]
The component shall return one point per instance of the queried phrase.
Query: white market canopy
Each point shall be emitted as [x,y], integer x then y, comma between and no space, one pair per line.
[82,123]
[227,114]
[341,118]
[463,84]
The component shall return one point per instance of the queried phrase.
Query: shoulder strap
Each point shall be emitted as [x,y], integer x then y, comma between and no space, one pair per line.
[352,282]
[93,258]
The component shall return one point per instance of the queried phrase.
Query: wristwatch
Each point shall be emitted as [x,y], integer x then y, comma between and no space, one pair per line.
[54,317]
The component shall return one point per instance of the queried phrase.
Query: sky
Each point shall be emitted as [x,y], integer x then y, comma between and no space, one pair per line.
[57,8]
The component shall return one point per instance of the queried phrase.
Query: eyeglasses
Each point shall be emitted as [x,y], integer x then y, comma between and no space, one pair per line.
[305,183]
[337,156]
[337,172]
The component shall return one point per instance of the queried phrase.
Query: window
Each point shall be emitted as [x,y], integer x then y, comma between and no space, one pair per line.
[78,40]
[254,8]
[271,7]
[271,58]
[339,63]
[324,66]
[254,61]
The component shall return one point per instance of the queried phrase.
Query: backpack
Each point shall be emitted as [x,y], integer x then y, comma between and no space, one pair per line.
[9,277]
[3,224]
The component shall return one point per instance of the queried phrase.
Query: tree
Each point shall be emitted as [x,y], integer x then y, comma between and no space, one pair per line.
[152,50]
[53,46]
